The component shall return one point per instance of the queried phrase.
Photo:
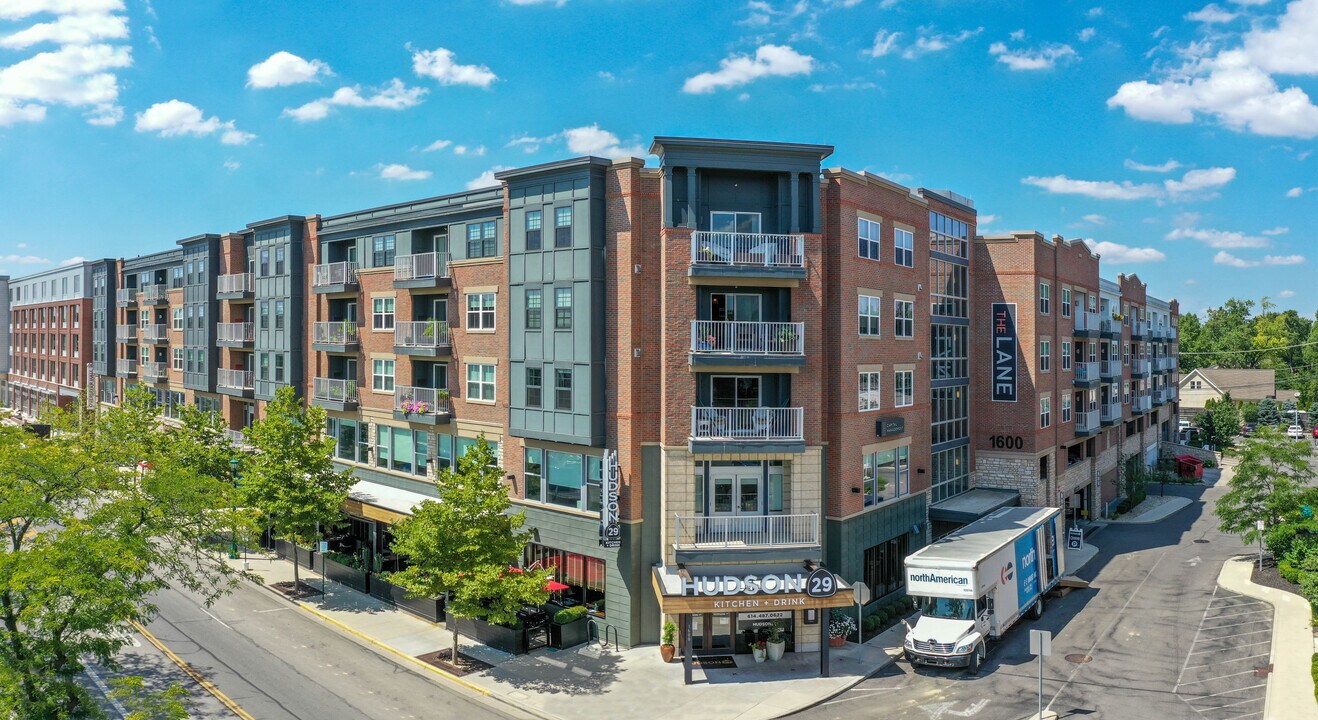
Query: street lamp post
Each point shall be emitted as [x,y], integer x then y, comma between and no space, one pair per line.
[233,505]
[1297,409]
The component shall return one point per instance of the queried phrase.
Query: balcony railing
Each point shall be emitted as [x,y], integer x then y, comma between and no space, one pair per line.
[422,266]
[157,370]
[749,249]
[235,283]
[126,366]
[413,400]
[1111,412]
[125,333]
[234,379]
[334,390]
[746,531]
[1086,321]
[1139,328]
[422,333]
[747,338]
[1171,333]
[747,423]
[1109,326]
[1087,421]
[238,439]
[339,273]
[1087,372]
[1169,393]
[339,332]
[235,332]
[1111,368]
[155,333]
[1142,403]
[123,297]
[1164,364]
[1139,366]
[152,293]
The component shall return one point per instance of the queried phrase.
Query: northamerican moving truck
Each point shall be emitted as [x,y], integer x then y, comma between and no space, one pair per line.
[972,585]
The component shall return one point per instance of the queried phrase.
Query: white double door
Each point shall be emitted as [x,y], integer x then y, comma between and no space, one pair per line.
[735,491]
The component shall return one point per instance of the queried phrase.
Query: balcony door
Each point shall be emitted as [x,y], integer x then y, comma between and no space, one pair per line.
[734,222]
[735,491]
[735,307]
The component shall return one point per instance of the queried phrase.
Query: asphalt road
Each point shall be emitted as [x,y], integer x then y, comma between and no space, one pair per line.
[1120,649]
[278,663]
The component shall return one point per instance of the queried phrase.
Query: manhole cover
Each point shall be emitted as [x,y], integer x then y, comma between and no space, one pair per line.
[1201,541]
[1078,659]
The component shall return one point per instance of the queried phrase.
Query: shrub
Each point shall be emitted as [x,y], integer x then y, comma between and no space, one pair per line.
[871,623]
[883,615]
[1288,572]
[567,615]
[1284,538]
[910,604]
[1210,463]
[897,609]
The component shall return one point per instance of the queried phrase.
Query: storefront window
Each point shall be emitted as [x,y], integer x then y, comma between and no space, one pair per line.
[887,475]
[883,566]
[583,575]
[564,487]
[402,450]
[534,473]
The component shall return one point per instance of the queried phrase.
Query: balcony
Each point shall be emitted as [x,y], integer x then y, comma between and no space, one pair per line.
[334,394]
[337,336]
[727,342]
[1171,333]
[696,535]
[238,334]
[1141,403]
[1170,392]
[423,338]
[1111,414]
[1164,364]
[422,405]
[724,254]
[1087,374]
[152,295]
[1087,423]
[1111,370]
[424,270]
[335,277]
[1139,329]
[1087,324]
[155,333]
[236,286]
[238,439]
[125,297]
[1156,397]
[747,429]
[235,383]
[125,333]
[155,371]
[1109,329]
[1139,367]
[125,367]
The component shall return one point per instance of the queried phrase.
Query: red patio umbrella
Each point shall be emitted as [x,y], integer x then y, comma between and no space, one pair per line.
[556,586]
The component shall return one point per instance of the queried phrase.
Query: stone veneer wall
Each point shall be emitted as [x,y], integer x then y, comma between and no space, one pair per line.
[1010,473]
[1171,450]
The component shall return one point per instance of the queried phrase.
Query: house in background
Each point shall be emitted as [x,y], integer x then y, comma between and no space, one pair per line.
[1204,384]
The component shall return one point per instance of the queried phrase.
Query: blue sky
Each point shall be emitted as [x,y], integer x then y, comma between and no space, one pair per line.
[1178,136]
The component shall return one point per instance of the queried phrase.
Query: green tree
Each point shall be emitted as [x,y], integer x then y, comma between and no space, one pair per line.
[1189,336]
[1249,412]
[1269,415]
[1219,423]
[464,545]
[1269,482]
[1227,335]
[89,534]
[289,476]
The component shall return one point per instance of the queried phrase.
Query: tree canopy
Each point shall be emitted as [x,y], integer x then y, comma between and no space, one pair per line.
[1270,481]
[1235,336]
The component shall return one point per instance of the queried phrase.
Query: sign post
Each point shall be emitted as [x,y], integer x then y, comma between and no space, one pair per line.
[1260,527]
[1041,644]
[861,592]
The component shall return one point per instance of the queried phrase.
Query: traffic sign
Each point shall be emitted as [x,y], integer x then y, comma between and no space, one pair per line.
[1041,642]
[861,592]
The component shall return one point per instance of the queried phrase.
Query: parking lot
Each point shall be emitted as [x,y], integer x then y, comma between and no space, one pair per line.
[1225,672]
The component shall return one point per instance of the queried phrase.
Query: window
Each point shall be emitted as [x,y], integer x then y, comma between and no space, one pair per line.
[382,375]
[265,315]
[886,475]
[1045,298]
[480,311]
[533,387]
[904,388]
[566,479]
[869,391]
[1066,408]
[382,251]
[734,222]
[1066,302]
[533,220]
[265,263]
[178,358]
[562,389]
[263,369]
[481,241]
[533,474]
[904,318]
[480,382]
[869,315]
[563,227]
[401,449]
[1045,412]
[279,368]
[903,247]
[279,314]
[562,308]
[279,260]
[177,318]
[533,310]
[884,567]
[1045,356]
[867,235]
[1066,353]
[382,313]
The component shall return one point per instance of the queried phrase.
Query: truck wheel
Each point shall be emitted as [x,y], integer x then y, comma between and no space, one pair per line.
[1036,612]
[977,659]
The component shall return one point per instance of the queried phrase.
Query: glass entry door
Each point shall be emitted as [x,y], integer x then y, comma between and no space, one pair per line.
[734,493]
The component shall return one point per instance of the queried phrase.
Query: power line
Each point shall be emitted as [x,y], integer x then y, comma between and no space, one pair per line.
[1239,352]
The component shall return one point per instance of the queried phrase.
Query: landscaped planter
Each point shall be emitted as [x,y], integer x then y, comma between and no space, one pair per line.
[431,609]
[569,635]
[284,549]
[508,639]
[356,579]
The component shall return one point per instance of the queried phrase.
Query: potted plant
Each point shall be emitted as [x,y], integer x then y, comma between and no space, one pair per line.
[569,627]
[666,648]
[442,396]
[759,648]
[777,643]
[840,625]
[787,336]
[707,253]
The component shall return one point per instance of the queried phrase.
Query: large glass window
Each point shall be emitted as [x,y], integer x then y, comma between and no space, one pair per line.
[480,382]
[562,389]
[869,391]
[382,252]
[948,359]
[401,449]
[533,474]
[904,388]
[886,475]
[382,375]
[904,318]
[948,290]
[481,240]
[734,222]
[951,473]
[948,235]
[382,313]
[884,566]
[950,413]
[533,387]
[563,308]
[533,221]
[867,232]
[563,227]
[567,479]
[584,576]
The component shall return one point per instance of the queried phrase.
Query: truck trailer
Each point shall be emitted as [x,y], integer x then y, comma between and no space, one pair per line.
[973,584]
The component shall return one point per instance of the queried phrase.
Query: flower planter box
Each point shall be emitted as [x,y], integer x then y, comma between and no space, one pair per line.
[508,639]
[356,579]
[284,549]
[569,635]
[431,609]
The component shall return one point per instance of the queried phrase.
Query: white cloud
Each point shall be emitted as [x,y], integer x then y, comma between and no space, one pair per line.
[398,171]
[1017,34]
[853,85]
[70,30]
[478,151]
[1191,282]
[1226,258]
[393,96]
[21,246]
[285,68]
[1284,294]
[529,143]
[174,118]
[1295,192]
[438,64]
[1166,167]
[72,75]
[591,140]
[1218,238]
[232,165]
[735,70]
[19,9]
[1200,182]
[1276,231]
[929,41]
[1044,57]
[1283,260]
[1211,14]
[983,220]
[437,145]
[1086,34]
[75,260]
[1118,253]
[486,179]
[24,260]
[885,42]
[1094,219]
[1094,12]
[1194,185]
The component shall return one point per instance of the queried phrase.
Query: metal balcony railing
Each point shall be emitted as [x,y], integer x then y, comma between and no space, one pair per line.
[1139,366]
[1139,328]
[123,297]
[235,283]
[1086,321]
[1086,372]
[338,332]
[1142,403]
[126,366]
[155,333]
[125,333]
[420,400]
[237,438]
[235,332]
[1111,368]
[747,423]
[151,293]
[746,531]
[747,338]
[1171,333]
[1164,364]
[334,390]
[422,333]
[234,379]
[421,266]
[1111,411]
[157,370]
[338,273]
[751,249]
[1087,421]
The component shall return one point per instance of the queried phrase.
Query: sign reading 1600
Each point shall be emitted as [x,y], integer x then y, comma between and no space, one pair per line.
[1007,442]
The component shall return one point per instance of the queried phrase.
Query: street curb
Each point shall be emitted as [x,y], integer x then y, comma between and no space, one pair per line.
[892,659]
[1118,521]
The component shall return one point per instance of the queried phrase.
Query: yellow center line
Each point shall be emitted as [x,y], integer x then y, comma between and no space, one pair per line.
[205,684]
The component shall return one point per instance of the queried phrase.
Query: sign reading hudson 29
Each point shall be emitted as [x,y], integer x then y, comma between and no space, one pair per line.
[768,590]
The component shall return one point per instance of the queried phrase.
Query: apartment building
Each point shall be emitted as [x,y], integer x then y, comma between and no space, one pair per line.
[1078,373]
[5,301]
[50,336]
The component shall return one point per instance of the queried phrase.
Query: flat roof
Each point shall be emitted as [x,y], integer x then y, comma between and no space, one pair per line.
[972,505]
[984,536]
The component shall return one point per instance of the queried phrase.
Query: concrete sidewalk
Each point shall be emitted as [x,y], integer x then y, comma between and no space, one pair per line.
[591,682]
[1152,509]
[1290,684]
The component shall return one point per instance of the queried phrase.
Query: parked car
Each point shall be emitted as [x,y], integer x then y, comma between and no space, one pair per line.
[1295,432]
[1315,432]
